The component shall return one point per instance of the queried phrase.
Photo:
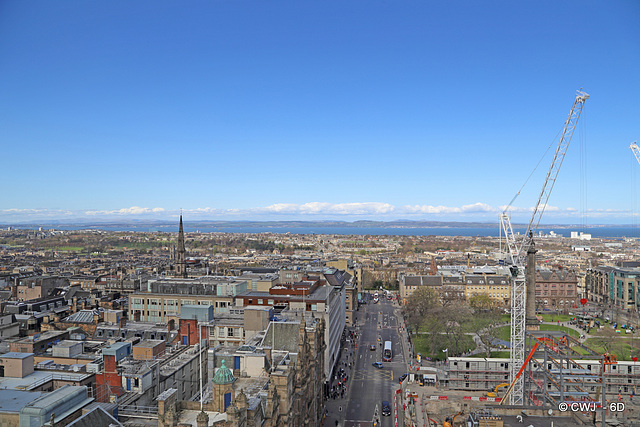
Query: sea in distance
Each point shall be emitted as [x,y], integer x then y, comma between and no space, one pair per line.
[451,229]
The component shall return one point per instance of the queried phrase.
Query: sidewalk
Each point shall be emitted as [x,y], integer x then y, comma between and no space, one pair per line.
[336,408]
[412,409]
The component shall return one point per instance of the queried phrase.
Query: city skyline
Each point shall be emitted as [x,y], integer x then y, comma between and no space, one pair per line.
[289,111]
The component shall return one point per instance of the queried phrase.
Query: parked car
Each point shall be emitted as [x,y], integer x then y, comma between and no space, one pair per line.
[386,408]
[377,365]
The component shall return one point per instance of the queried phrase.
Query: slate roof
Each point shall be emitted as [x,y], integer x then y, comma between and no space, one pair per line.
[285,334]
[97,417]
[82,316]
[559,274]
[423,280]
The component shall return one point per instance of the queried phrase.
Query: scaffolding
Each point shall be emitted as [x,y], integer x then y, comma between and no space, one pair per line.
[557,374]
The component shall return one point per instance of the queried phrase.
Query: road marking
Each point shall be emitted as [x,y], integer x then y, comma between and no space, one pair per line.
[361,375]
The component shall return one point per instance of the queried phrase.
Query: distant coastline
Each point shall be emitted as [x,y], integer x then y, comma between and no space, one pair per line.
[416,228]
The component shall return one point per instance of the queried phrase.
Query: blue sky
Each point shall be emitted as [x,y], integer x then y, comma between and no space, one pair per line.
[315,110]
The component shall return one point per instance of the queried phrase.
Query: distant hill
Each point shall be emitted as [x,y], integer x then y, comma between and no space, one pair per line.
[137,223]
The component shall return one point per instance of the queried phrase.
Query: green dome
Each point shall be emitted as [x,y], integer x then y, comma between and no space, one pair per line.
[223,375]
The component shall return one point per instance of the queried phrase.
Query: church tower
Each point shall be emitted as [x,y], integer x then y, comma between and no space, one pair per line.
[181,264]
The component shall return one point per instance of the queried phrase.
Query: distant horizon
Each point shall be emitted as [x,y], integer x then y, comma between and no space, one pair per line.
[409,223]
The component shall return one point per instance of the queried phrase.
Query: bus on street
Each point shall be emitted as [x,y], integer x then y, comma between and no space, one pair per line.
[387,355]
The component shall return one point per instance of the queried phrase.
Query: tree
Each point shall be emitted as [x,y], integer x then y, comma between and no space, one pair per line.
[486,321]
[454,315]
[420,303]
[480,303]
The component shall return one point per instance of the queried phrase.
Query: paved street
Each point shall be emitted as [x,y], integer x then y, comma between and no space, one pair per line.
[368,386]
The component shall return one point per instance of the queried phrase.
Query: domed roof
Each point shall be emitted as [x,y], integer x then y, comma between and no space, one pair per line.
[223,375]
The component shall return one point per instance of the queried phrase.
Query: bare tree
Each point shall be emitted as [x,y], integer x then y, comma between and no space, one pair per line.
[486,321]
[420,304]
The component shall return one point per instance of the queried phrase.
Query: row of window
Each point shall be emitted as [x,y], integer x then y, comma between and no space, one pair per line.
[493,295]
[155,302]
[553,285]
[491,282]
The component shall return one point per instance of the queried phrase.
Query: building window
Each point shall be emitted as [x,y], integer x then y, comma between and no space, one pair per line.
[229,332]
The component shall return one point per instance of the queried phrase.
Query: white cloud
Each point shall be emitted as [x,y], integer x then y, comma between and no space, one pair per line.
[23,211]
[134,210]
[320,208]
[439,210]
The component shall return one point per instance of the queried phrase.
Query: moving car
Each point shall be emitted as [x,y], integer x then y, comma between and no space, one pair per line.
[402,377]
[377,365]
[386,408]
[372,347]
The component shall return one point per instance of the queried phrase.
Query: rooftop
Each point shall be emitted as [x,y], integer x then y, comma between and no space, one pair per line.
[188,417]
[68,344]
[82,316]
[149,343]
[38,377]
[223,375]
[14,400]
[15,355]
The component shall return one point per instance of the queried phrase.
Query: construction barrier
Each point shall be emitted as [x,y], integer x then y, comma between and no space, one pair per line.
[482,399]
[395,410]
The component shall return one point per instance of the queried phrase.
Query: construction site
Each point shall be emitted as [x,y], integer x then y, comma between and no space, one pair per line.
[550,378]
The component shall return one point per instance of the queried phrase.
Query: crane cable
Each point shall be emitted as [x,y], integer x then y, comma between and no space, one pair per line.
[583,176]
[552,144]
[634,198]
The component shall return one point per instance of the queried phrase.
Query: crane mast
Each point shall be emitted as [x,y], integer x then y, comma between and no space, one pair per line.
[517,251]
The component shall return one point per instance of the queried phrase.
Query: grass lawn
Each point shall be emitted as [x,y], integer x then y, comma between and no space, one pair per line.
[580,350]
[504,332]
[421,345]
[497,354]
[568,331]
[622,347]
[69,248]
[556,317]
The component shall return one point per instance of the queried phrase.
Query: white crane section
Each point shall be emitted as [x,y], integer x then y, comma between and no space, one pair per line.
[517,251]
[636,150]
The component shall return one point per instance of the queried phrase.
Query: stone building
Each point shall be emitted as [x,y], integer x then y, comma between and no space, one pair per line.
[181,262]
[556,289]
[287,391]
[614,287]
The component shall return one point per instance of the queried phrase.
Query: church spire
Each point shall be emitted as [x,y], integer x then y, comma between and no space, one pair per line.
[181,264]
